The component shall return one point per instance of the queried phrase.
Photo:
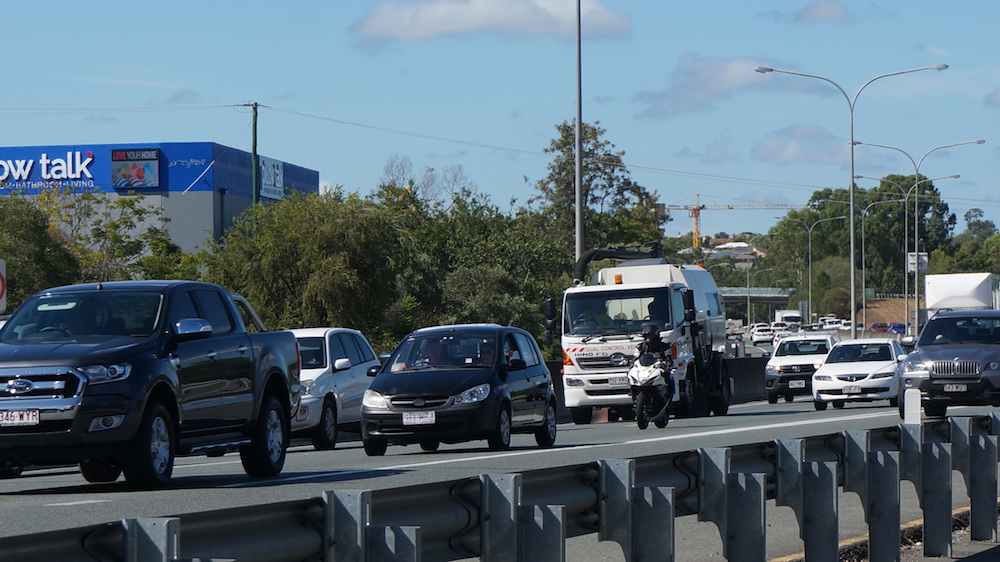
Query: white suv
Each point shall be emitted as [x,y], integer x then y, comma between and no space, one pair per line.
[789,370]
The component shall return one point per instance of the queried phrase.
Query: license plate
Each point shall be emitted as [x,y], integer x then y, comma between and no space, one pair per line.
[955,387]
[853,389]
[618,380]
[796,384]
[18,417]
[418,418]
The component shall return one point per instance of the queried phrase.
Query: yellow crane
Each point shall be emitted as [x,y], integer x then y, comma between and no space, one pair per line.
[694,211]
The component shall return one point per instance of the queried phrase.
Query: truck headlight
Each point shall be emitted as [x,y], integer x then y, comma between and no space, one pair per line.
[474,394]
[374,400]
[97,374]
[573,382]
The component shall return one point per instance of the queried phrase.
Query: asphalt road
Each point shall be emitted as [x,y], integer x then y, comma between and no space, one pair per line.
[59,498]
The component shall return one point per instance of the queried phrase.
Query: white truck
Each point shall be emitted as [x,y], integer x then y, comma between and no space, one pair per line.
[788,316]
[961,291]
[602,323]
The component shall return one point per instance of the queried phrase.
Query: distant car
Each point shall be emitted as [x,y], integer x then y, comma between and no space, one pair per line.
[335,363]
[897,328]
[879,327]
[859,370]
[789,371]
[762,334]
[452,384]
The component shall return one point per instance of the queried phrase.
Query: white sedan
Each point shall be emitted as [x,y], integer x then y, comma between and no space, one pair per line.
[860,370]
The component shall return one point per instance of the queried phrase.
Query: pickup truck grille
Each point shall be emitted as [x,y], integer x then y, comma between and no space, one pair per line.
[19,384]
[955,368]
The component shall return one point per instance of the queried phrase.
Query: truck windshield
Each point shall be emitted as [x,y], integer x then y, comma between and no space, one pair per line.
[960,329]
[72,315]
[611,312]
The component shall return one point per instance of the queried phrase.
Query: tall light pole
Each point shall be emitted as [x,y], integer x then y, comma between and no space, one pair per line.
[864,272]
[809,231]
[578,134]
[850,106]
[916,217]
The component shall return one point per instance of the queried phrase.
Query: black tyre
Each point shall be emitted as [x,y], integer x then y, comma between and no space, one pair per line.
[695,401]
[642,410]
[11,471]
[149,460]
[626,413]
[772,398]
[545,436]
[900,404]
[789,398]
[582,416]
[894,402]
[820,405]
[430,445]
[264,457]
[718,402]
[324,435]
[839,404]
[100,470]
[499,438]
[375,447]
[935,409]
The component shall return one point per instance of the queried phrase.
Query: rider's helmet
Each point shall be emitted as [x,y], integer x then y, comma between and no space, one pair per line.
[650,331]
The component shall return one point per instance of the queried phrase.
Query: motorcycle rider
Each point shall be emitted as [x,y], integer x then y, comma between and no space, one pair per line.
[651,343]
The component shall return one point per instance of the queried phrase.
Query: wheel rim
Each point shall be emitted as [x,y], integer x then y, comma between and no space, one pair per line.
[159,445]
[275,436]
[329,423]
[550,421]
[504,427]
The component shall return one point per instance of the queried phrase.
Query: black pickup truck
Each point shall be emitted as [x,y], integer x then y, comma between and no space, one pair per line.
[124,376]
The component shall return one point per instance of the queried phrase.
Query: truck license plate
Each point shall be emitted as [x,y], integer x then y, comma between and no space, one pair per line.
[955,387]
[853,389]
[18,417]
[618,380]
[418,418]
[796,384]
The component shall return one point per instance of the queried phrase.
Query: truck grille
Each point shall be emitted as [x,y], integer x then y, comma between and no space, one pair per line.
[955,368]
[39,382]
[595,362]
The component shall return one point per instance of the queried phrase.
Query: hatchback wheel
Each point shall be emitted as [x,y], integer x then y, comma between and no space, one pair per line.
[545,435]
[499,439]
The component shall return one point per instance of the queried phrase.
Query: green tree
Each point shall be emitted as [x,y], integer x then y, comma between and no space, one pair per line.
[618,211]
[35,260]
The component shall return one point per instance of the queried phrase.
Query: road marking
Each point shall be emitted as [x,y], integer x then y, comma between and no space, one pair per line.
[81,502]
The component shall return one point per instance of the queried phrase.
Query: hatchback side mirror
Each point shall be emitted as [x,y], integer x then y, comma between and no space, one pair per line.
[372,371]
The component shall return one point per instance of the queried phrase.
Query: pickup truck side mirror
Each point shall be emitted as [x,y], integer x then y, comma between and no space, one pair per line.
[192,329]
[342,364]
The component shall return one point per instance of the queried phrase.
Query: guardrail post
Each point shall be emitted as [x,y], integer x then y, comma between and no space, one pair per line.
[936,491]
[614,500]
[346,520]
[882,505]
[152,539]
[983,488]
[746,536]
[713,493]
[627,511]
[911,438]
[543,533]
[789,460]
[821,520]
[500,499]
[393,544]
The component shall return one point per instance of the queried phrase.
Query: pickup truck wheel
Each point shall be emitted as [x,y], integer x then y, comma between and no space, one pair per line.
[429,445]
[149,460]
[264,457]
[324,435]
[100,470]
[499,438]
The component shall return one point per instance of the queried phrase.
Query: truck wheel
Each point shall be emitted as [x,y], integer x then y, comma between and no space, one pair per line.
[149,460]
[100,470]
[324,435]
[582,416]
[719,403]
[499,438]
[545,436]
[695,401]
[375,447]
[264,457]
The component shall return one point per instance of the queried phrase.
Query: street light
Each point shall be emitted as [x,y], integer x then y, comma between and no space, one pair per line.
[850,106]
[864,271]
[809,231]
[916,217]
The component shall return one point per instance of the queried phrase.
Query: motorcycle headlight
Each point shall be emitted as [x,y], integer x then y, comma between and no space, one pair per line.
[474,394]
[97,374]
[374,400]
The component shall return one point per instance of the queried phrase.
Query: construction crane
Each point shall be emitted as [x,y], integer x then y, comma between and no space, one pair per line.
[694,211]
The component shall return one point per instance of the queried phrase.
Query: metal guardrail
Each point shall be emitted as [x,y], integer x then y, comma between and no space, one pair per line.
[494,515]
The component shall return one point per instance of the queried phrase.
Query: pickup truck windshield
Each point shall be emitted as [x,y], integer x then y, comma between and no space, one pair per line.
[622,312]
[74,315]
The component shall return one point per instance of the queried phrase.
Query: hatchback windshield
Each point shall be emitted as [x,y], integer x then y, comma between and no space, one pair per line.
[445,351]
[960,329]
[123,313]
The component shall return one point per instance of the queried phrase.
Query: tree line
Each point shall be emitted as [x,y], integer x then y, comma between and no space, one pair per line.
[433,249]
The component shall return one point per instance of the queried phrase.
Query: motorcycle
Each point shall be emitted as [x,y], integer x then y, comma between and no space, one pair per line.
[652,388]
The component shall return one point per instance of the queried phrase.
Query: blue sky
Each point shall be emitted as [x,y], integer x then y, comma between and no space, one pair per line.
[481,85]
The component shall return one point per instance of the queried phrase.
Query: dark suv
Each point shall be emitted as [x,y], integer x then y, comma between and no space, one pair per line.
[956,360]
[451,384]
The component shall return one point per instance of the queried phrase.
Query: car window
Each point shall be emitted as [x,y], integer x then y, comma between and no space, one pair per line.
[527,350]
[353,353]
[366,350]
[336,348]
[213,309]
[312,352]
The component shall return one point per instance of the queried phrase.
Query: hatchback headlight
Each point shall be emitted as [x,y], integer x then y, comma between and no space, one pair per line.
[474,394]
[97,374]
[374,400]
[822,378]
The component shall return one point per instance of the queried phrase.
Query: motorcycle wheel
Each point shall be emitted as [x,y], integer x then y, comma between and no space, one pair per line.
[642,410]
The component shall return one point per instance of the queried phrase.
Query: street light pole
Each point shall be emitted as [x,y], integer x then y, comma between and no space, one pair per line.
[864,271]
[850,106]
[916,217]
[809,232]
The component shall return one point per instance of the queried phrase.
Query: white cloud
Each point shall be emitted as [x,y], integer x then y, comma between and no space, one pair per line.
[430,19]
[801,143]
[823,11]
[992,99]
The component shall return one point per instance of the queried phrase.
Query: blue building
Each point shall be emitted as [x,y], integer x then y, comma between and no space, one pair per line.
[202,186]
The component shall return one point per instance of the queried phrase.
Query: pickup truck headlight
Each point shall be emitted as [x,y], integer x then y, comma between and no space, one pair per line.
[474,394]
[771,369]
[374,400]
[97,374]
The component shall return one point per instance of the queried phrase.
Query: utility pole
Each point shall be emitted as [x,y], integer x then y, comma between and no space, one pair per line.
[253,158]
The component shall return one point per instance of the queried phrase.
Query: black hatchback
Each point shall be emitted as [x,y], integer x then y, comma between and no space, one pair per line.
[451,384]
